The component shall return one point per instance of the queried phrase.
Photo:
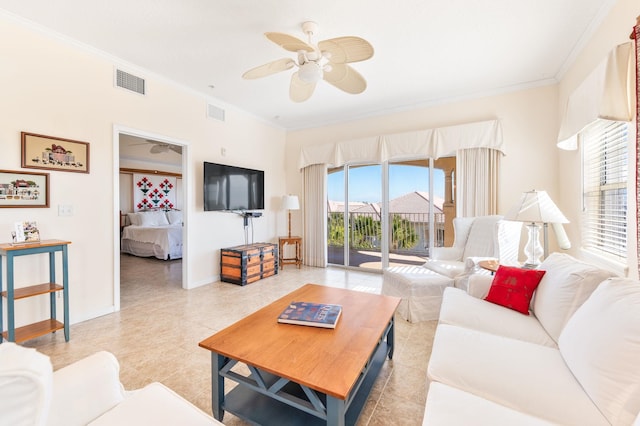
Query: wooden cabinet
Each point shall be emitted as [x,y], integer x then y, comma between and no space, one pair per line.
[248,263]
[11,294]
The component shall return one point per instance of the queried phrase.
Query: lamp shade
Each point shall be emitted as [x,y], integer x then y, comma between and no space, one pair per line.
[290,202]
[536,207]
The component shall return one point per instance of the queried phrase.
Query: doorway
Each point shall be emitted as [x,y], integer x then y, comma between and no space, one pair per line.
[138,151]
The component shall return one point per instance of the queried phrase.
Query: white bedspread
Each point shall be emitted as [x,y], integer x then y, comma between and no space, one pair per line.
[166,239]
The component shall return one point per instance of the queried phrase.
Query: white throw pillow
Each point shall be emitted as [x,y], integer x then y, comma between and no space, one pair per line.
[565,286]
[601,346]
[174,216]
[153,218]
[134,218]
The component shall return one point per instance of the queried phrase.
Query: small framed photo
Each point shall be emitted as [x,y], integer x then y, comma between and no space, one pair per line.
[24,189]
[51,153]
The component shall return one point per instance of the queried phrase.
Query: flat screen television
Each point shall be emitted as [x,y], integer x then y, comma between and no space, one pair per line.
[232,188]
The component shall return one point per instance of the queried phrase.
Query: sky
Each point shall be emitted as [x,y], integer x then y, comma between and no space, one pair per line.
[365,182]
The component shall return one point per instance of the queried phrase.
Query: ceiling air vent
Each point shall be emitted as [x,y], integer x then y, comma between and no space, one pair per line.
[215,112]
[130,82]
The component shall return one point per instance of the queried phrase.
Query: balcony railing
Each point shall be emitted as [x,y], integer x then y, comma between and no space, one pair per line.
[409,232]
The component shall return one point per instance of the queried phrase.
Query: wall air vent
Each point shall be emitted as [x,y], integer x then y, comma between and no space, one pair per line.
[215,112]
[130,82]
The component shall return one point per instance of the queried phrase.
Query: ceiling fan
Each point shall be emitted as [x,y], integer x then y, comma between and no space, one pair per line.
[160,147]
[327,60]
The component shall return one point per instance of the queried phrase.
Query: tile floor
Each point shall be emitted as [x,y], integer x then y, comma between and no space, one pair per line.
[156,333]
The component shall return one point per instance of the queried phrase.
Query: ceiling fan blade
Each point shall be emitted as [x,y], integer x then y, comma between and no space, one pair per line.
[270,68]
[289,42]
[176,148]
[347,49]
[299,91]
[345,78]
[157,149]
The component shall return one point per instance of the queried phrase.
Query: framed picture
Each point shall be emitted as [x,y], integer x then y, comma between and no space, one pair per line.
[21,189]
[51,153]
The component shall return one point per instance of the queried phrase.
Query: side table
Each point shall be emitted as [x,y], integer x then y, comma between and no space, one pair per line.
[297,260]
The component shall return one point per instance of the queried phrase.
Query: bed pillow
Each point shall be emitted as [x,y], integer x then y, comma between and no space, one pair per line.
[153,218]
[513,287]
[134,218]
[174,217]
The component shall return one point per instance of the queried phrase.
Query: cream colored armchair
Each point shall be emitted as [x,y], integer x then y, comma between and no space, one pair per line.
[87,392]
[476,238]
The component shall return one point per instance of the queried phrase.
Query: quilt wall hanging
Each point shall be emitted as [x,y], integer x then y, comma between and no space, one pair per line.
[154,192]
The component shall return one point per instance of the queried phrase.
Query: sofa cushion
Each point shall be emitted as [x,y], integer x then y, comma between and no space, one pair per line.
[513,287]
[25,385]
[523,376]
[601,346]
[449,406]
[155,404]
[567,283]
[85,389]
[462,309]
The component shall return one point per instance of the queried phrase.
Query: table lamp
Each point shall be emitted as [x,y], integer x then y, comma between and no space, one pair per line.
[535,207]
[290,202]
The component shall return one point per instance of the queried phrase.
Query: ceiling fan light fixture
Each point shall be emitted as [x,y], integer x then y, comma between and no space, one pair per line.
[310,72]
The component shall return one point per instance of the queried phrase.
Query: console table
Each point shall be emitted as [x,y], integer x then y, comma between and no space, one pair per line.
[297,260]
[10,251]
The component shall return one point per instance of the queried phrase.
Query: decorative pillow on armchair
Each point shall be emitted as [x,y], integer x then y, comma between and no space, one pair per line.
[513,287]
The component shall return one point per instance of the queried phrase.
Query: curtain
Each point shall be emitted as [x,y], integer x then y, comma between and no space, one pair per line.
[477,182]
[604,93]
[315,215]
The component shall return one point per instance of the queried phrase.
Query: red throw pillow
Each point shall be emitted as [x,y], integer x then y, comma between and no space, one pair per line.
[513,287]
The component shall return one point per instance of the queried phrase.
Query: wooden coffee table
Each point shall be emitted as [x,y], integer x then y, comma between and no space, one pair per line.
[300,374]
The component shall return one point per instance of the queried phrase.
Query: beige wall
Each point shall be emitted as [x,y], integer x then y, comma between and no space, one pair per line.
[52,87]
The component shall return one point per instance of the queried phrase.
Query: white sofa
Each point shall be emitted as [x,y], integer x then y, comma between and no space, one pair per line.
[476,238]
[87,392]
[574,360]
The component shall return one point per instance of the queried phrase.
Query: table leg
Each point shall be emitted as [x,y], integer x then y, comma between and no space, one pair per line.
[1,303]
[11,326]
[335,411]
[391,337]
[65,291]
[217,385]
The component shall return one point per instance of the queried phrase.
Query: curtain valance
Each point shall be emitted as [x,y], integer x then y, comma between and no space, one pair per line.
[428,143]
[605,94]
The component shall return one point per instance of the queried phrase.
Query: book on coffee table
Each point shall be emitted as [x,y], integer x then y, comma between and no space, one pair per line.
[311,314]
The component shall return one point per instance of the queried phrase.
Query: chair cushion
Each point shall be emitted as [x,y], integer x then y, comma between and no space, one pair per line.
[566,284]
[25,385]
[601,346]
[482,237]
[513,287]
[448,268]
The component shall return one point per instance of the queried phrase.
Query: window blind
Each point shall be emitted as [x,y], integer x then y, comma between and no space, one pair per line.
[605,170]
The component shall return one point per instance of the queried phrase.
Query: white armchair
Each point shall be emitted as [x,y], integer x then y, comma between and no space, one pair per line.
[87,392]
[476,238]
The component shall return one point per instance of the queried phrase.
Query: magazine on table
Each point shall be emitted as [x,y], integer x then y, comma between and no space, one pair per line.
[312,314]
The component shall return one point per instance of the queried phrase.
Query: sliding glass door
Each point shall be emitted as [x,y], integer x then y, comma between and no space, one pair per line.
[385,214]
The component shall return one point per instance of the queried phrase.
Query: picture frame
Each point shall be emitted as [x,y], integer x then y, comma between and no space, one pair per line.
[24,189]
[53,153]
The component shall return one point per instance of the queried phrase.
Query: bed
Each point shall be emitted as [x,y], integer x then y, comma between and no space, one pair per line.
[153,234]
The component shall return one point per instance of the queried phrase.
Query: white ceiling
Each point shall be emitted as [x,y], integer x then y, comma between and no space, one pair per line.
[426,51]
